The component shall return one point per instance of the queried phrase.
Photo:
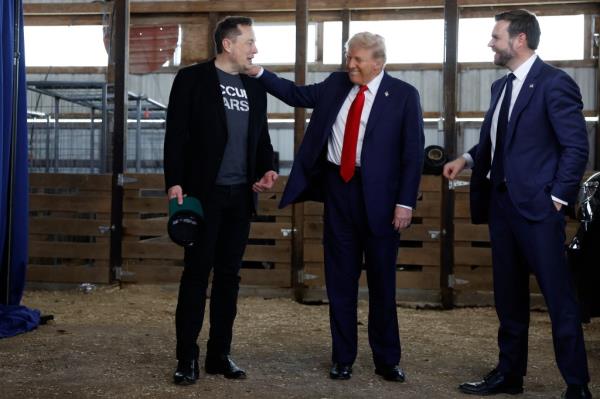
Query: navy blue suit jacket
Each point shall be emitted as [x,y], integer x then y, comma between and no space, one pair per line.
[392,152]
[545,149]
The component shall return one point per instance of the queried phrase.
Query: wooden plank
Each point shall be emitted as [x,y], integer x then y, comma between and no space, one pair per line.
[158,227]
[472,232]
[416,232]
[271,207]
[166,250]
[50,202]
[156,181]
[243,6]
[481,279]
[171,274]
[472,256]
[407,256]
[314,276]
[64,180]
[194,44]
[146,205]
[68,250]
[65,226]
[68,274]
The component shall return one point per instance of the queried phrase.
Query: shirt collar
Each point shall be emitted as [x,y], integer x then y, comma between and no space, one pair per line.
[373,85]
[522,71]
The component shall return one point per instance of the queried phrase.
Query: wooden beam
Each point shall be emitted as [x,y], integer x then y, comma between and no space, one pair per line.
[213,20]
[450,72]
[245,6]
[320,42]
[297,260]
[120,46]
[346,18]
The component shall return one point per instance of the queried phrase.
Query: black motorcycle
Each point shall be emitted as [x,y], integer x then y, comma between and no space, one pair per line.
[583,251]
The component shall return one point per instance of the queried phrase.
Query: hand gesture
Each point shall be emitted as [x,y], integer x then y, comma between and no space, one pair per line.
[266,182]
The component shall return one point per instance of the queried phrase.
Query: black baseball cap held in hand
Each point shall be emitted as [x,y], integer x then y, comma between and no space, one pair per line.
[185,221]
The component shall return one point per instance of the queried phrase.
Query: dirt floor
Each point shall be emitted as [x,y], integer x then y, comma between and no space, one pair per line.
[119,343]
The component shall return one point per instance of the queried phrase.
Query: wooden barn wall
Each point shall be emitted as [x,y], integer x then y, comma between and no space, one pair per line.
[69,238]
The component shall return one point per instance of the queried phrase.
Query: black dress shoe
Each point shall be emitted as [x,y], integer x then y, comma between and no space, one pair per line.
[391,373]
[493,383]
[186,373]
[340,372]
[223,364]
[577,392]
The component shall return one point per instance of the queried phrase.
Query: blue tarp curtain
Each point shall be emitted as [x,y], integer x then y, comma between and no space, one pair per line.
[14,319]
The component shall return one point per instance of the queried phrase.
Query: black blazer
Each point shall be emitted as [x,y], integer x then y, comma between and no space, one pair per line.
[196,133]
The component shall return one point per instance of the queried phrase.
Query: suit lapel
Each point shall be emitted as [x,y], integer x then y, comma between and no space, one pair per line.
[379,104]
[214,85]
[523,99]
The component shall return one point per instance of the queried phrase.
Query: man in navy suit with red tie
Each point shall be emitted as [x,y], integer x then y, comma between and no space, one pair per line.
[362,155]
[527,167]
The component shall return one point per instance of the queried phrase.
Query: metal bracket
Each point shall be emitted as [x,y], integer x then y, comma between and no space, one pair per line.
[452,184]
[106,229]
[434,234]
[122,179]
[120,273]
[451,281]
[302,277]
[288,232]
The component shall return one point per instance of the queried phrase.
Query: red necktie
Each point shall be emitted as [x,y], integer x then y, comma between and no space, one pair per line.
[348,161]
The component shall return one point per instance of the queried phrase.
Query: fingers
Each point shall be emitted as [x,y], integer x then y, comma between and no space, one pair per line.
[402,218]
[448,172]
[257,187]
[401,224]
[176,192]
[452,169]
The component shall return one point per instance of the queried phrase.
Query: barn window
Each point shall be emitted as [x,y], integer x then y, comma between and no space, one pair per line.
[276,43]
[65,46]
[562,38]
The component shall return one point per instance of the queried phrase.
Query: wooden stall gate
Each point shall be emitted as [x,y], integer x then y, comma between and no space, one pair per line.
[69,233]
[418,263]
[69,239]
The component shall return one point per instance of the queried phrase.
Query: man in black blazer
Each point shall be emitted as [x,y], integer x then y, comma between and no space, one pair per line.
[217,149]
[527,167]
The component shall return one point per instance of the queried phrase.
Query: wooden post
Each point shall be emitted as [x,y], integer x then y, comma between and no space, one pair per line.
[320,42]
[345,35]
[299,126]
[120,46]
[449,114]
[213,20]
[596,53]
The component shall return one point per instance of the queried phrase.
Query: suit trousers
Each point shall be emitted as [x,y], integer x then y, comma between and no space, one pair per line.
[220,248]
[346,238]
[521,247]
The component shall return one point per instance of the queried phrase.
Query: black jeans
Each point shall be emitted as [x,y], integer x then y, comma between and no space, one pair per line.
[221,247]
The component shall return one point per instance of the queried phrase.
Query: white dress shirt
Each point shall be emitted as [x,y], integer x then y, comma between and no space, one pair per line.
[520,76]
[336,139]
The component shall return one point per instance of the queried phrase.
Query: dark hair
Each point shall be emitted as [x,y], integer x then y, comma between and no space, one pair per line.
[522,21]
[228,28]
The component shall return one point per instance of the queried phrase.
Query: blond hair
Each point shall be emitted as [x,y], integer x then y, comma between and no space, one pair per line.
[368,40]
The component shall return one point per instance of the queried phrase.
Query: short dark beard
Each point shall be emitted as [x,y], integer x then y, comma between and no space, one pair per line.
[505,56]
